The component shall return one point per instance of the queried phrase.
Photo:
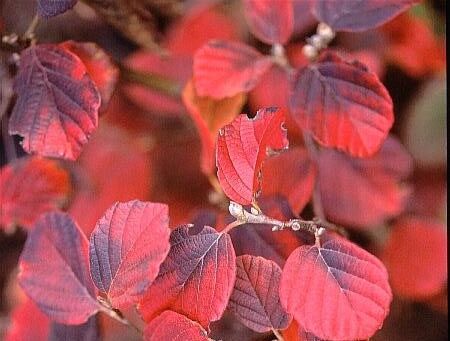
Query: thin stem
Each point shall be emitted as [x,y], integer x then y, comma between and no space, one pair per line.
[277,334]
[29,33]
[116,314]
[231,226]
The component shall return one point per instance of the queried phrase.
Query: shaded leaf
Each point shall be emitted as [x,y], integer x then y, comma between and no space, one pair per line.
[196,279]
[88,331]
[54,261]
[343,105]
[364,192]
[359,15]
[57,102]
[224,69]
[51,8]
[126,249]
[271,21]
[31,186]
[336,291]
[171,326]
[415,255]
[242,147]
[255,300]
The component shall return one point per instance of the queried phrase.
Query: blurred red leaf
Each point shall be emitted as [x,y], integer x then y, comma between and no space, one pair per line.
[54,261]
[363,192]
[242,147]
[209,115]
[415,255]
[271,21]
[359,15]
[343,105]
[57,102]
[196,279]
[51,8]
[88,331]
[336,291]
[99,66]
[31,186]
[171,326]
[224,69]
[126,248]
[255,300]
[292,175]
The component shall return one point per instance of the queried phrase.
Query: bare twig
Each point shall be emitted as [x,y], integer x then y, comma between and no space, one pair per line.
[277,334]
[317,42]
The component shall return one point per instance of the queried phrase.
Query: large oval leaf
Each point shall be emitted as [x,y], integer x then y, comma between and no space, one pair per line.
[343,105]
[224,69]
[126,249]
[51,8]
[255,300]
[337,291]
[358,15]
[242,147]
[196,279]
[57,102]
[54,270]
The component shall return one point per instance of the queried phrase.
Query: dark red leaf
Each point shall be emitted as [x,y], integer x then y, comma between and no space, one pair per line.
[415,255]
[224,69]
[57,102]
[359,15]
[171,326]
[196,279]
[343,105]
[31,186]
[51,8]
[88,331]
[292,175]
[364,192]
[99,66]
[337,291]
[54,270]
[255,300]
[126,249]
[271,21]
[242,147]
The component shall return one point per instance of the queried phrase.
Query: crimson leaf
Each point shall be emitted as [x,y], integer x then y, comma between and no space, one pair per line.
[336,291]
[196,279]
[57,102]
[126,249]
[51,8]
[343,105]
[54,270]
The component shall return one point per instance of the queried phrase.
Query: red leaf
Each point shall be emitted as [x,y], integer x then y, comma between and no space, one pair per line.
[224,69]
[126,249]
[99,66]
[51,8]
[337,291]
[88,331]
[415,255]
[242,147]
[271,21]
[31,186]
[343,105]
[171,326]
[254,299]
[291,175]
[364,192]
[196,279]
[54,261]
[359,15]
[57,103]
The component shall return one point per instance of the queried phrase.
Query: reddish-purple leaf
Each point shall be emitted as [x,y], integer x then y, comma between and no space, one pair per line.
[88,331]
[343,105]
[126,248]
[51,8]
[271,21]
[359,15]
[196,279]
[255,300]
[337,291]
[224,69]
[171,326]
[54,270]
[364,192]
[57,102]
[242,147]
